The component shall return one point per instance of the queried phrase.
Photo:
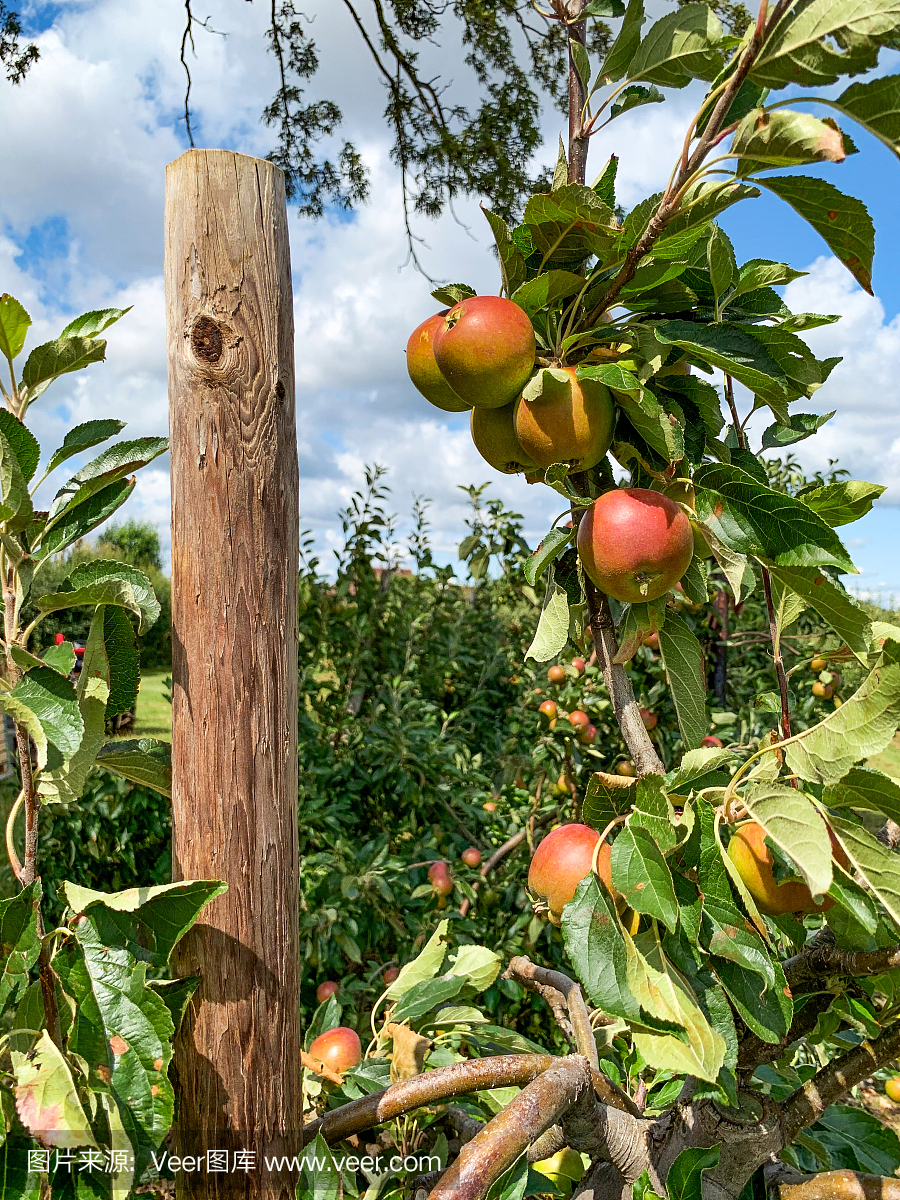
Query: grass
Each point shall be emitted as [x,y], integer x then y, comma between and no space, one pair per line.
[153,714]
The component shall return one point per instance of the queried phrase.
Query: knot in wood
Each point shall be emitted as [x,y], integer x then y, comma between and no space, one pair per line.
[206,340]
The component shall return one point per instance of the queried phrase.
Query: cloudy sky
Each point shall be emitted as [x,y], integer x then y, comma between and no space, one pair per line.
[84,145]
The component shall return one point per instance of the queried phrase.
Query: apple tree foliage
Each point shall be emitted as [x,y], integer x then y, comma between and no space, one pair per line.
[745,1028]
[88,1016]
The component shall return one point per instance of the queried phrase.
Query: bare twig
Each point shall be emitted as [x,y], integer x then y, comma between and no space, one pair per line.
[835,1080]
[474,1075]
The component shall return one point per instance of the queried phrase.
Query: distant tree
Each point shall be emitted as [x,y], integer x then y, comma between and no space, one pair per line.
[135,542]
[15,58]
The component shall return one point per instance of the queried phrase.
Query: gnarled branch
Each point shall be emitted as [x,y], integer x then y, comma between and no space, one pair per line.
[823,957]
[787,1184]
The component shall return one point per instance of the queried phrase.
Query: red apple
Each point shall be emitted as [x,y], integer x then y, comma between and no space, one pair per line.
[339,1048]
[635,544]
[390,974]
[489,806]
[712,740]
[437,868]
[561,861]
[652,640]
[649,718]
[570,421]
[424,371]
[549,710]
[326,989]
[485,350]
[588,736]
[579,719]
[578,664]
[556,674]
[471,857]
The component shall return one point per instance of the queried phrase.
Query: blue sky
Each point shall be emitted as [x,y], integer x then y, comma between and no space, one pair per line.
[86,141]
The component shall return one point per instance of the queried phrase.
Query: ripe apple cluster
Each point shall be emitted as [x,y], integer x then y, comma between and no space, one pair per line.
[479,355]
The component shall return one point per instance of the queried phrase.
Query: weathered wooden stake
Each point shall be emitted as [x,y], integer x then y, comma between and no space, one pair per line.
[234,639]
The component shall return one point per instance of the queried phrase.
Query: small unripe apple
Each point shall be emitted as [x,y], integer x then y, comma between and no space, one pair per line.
[891,1088]
[562,786]
[754,861]
[712,740]
[649,718]
[390,974]
[489,806]
[627,769]
[424,371]
[588,736]
[485,348]
[556,674]
[471,857]
[549,710]
[326,989]
[635,544]
[579,719]
[823,690]
[339,1048]
[818,664]
[578,664]
[652,640]
[560,863]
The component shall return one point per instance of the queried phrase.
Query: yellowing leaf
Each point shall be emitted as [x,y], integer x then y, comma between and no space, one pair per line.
[46,1100]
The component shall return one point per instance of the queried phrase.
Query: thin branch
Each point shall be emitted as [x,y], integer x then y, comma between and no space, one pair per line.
[808,970]
[495,1148]
[461,1079]
[835,1080]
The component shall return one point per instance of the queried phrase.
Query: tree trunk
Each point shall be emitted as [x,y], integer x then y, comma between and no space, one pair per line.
[234,623]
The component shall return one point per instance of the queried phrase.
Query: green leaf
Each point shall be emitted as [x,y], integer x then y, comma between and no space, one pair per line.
[863,725]
[723,270]
[752,519]
[82,437]
[423,997]
[46,363]
[320,1178]
[15,503]
[512,260]
[761,272]
[175,994]
[570,224]
[634,97]
[103,581]
[622,51]
[602,802]
[605,185]
[802,426]
[603,8]
[425,966]
[794,825]
[122,1031]
[732,350]
[17,1180]
[841,503]
[46,1098]
[766,1012]
[682,659]
[22,441]
[553,627]
[813,43]
[477,965]
[663,992]
[637,622]
[654,813]
[832,602]
[148,922]
[876,106]
[14,324]
[107,468]
[679,47]
[143,761]
[546,289]
[863,787]
[78,521]
[642,875]
[843,221]
[23,715]
[89,324]
[596,949]
[784,139]
[53,701]
[879,867]
[582,63]
[19,942]
[694,765]
[66,782]
[658,429]
[550,547]
[124,661]
[452,293]
[685,1178]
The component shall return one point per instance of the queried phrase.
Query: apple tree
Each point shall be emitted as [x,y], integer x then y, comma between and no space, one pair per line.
[732,923]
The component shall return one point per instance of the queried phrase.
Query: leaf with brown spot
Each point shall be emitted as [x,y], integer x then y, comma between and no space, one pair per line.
[46,1099]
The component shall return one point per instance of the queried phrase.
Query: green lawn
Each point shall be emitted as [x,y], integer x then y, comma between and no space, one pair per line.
[153,717]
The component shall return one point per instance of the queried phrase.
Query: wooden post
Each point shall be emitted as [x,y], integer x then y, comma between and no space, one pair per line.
[234,641]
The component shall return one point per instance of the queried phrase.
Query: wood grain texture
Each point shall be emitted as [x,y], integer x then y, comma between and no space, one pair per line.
[234,640]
